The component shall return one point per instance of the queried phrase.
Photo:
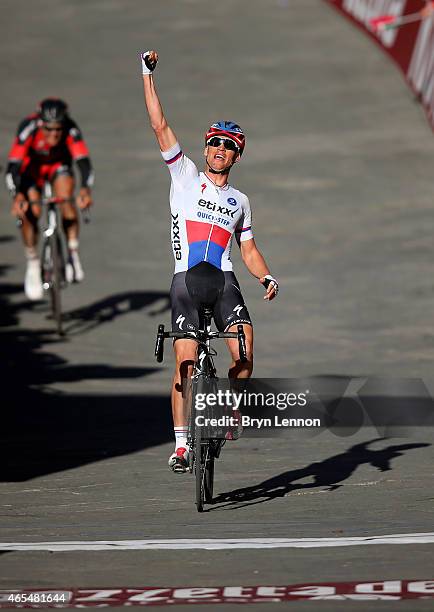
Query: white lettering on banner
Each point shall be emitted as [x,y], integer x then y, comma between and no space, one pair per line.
[270,591]
[237,591]
[152,595]
[314,591]
[377,588]
[391,590]
[195,593]
[421,70]
[364,10]
[421,586]
[87,595]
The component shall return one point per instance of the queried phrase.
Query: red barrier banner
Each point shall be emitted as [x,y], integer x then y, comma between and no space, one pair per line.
[384,590]
[404,29]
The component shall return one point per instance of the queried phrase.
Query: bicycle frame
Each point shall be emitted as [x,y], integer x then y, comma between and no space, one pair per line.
[202,450]
[53,261]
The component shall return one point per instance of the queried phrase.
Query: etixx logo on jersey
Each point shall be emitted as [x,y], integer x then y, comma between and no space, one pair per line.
[232,201]
[213,207]
[176,239]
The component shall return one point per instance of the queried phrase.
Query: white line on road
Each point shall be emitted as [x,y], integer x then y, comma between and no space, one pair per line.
[218,544]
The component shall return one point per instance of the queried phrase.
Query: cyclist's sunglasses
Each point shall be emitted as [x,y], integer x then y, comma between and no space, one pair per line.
[47,128]
[228,144]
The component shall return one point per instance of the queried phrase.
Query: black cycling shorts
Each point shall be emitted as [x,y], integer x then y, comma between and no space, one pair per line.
[204,285]
[36,175]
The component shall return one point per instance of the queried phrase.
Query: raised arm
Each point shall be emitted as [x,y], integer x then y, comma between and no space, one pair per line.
[163,132]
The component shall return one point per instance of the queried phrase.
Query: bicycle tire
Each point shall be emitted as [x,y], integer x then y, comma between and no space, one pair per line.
[199,468]
[209,476]
[203,454]
[56,280]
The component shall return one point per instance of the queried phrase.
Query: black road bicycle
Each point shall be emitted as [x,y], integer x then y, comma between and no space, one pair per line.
[53,258]
[203,447]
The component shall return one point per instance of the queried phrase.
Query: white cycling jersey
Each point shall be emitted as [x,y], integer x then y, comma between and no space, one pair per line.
[204,216]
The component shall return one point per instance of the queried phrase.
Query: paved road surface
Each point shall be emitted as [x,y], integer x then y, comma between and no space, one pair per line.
[338,167]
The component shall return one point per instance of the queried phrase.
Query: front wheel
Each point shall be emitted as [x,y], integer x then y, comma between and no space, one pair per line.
[209,475]
[203,448]
[199,468]
[52,277]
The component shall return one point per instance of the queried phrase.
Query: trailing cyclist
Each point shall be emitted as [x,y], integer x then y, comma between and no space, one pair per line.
[45,145]
[205,214]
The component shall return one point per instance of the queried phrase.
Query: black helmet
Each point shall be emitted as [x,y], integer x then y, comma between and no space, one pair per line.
[53,109]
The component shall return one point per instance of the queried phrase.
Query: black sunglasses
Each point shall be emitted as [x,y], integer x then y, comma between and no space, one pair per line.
[53,129]
[228,144]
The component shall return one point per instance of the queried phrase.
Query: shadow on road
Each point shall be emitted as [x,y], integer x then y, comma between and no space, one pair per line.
[7,238]
[44,431]
[110,308]
[328,473]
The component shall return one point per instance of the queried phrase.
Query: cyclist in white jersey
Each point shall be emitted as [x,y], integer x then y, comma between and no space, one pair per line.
[205,214]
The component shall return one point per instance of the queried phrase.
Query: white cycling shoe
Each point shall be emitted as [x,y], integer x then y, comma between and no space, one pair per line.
[178,461]
[32,281]
[74,272]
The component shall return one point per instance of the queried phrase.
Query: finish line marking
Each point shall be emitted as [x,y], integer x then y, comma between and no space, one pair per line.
[218,544]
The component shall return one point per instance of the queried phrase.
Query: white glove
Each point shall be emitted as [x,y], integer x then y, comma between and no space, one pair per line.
[148,66]
[270,280]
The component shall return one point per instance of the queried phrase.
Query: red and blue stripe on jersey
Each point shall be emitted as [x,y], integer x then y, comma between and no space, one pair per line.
[206,242]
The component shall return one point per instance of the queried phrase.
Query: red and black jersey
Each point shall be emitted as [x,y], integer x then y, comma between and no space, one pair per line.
[30,150]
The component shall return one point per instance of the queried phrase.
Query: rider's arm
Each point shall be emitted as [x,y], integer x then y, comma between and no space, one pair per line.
[165,136]
[256,265]
[181,168]
[12,176]
[80,154]
[17,153]
[252,257]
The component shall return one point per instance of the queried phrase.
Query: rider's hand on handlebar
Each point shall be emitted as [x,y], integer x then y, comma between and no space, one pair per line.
[149,61]
[271,286]
[84,198]
[19,206]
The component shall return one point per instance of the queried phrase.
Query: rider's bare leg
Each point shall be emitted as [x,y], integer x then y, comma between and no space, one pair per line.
[63,187]
[29,227]
[185,355]
[238,369]
[29,231]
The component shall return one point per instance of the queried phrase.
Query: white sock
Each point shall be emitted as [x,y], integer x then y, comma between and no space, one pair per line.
[31,253]
[180,437]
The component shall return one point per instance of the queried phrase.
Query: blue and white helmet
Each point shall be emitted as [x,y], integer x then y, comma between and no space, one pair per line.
[229,129]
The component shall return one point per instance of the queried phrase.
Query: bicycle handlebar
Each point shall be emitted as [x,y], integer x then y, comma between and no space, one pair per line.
[200,337]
